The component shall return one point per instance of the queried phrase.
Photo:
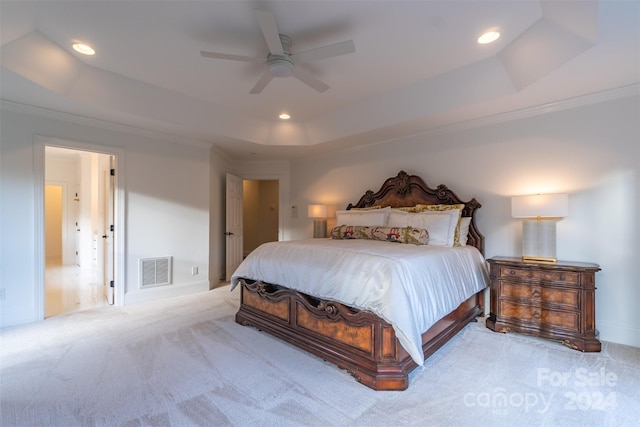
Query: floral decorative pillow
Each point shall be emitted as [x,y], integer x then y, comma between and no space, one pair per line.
[416,236]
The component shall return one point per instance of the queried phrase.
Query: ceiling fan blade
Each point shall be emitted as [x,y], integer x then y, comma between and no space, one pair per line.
[243,58]
[309,80]
[270,31]
[329,51]
[262,83]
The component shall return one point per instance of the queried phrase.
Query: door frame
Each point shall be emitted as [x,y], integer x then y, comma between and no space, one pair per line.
[39,143]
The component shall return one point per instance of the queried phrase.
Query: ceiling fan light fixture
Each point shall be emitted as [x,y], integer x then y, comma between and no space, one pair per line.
[489,37]
[284,116]
[280,67]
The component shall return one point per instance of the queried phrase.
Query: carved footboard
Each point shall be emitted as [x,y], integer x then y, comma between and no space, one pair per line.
[358,341]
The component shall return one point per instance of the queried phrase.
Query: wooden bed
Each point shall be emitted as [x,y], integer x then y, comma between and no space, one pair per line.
[355,340]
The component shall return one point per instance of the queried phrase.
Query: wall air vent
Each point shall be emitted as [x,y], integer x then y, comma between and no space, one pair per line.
[155,271]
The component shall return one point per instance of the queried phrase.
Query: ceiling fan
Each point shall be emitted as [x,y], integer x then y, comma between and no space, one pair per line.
[280,61]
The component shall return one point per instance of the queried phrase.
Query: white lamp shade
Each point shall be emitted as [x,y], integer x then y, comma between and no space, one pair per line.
[317,211]
[540,205]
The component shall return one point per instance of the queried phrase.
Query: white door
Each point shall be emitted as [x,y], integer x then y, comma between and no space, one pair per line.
[233,233]
[108,233]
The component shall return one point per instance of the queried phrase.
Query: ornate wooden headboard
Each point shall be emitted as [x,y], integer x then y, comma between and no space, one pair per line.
[406,190]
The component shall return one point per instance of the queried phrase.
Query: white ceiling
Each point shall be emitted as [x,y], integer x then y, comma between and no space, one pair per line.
[417,65]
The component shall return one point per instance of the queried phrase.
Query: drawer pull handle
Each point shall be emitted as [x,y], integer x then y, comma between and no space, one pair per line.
[511,272]
[536,315]
[563,277]
[536,293]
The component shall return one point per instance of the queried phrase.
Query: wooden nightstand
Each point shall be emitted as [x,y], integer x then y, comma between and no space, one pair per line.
[554,301]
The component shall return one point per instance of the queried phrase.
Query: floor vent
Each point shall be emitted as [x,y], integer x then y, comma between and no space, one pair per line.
[155,272]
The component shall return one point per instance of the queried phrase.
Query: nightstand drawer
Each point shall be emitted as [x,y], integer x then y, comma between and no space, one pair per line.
[569,298]
[530,314]
[529,274]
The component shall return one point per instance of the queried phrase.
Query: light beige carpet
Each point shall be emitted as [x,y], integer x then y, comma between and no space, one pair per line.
[185,362]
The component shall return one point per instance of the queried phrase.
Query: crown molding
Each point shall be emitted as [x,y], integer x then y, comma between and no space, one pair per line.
[221,154]
[565,104]
[47,113]
[529,112]
[551,107]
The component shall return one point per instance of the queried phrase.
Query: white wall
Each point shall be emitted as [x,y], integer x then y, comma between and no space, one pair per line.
[167,197]
[591,152]
[167,214]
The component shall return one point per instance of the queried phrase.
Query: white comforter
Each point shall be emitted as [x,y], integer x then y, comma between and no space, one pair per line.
[411,287]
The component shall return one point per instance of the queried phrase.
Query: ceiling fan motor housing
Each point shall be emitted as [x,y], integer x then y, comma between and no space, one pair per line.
[280,66]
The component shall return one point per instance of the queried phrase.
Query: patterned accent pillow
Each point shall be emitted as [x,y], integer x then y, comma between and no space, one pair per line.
[416,236]
[439,208]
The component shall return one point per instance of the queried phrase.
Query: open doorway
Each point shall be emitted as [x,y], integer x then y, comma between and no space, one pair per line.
[78,232]
[234,211]
[260,213]
[252,217]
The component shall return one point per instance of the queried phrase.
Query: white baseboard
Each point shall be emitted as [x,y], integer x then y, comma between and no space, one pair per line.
[616,333]
[17,315]
[161,292]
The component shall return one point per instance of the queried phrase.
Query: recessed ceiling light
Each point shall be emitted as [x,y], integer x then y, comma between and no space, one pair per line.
[489,37]
[284,116]
[83,48]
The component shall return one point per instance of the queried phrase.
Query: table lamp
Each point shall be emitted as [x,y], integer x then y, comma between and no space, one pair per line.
[319,215]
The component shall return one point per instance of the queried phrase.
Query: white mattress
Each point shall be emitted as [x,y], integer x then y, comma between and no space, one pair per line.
[409,286]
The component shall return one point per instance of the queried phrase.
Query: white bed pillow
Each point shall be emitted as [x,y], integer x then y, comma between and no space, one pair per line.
[441,225]
[369,218]
[465,221]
